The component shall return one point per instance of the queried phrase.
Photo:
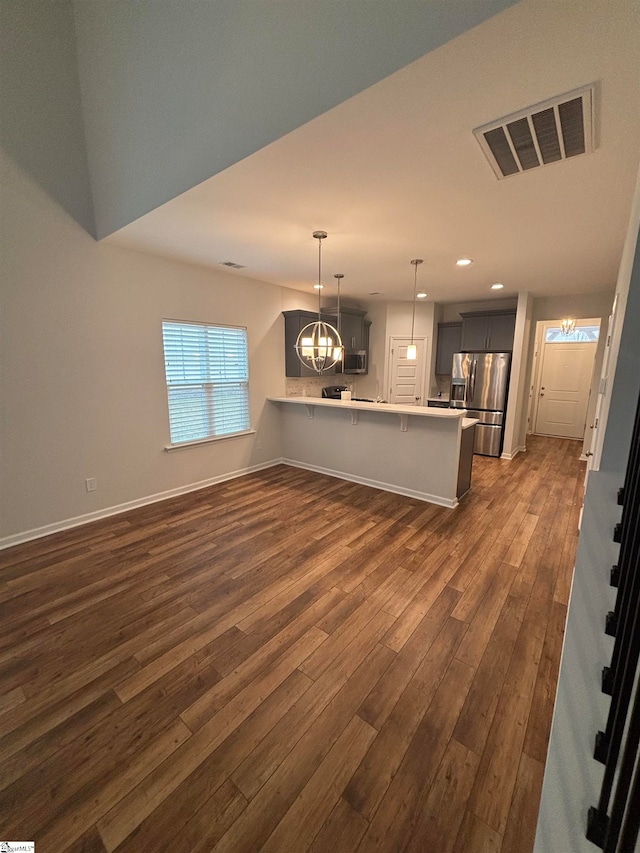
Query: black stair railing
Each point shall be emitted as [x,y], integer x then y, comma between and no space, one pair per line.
[631,820]
[624,575]
[625,807]
[607,828]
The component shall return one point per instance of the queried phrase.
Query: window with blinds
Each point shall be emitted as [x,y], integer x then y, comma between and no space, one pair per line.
[207,370]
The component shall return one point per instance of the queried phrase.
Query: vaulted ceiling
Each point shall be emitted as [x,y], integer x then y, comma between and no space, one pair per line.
[394,172]
[175,92]
[229,131]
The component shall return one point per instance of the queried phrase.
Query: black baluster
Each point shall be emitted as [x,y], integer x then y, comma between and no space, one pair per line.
[614,576]
[630,513]
[621,801]
[631,825]
[603,829]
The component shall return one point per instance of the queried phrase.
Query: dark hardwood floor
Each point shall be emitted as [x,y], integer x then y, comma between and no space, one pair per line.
[290,662]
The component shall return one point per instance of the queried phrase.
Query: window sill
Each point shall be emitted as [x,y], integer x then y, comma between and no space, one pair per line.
[184,444]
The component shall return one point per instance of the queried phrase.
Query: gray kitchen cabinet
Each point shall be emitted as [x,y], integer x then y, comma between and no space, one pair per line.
[449,341]
[354,330]
[483,330]
[294,322]
[367,335]
[501,331]
[474,333]
[351,325]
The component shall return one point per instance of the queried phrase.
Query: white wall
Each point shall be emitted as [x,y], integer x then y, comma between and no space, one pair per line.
[572,776]
[515,425]
[82,369]
[373,383]
[394,319]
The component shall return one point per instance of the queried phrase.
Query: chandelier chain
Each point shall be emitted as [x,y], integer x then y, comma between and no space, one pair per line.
[319,345]
[415,263]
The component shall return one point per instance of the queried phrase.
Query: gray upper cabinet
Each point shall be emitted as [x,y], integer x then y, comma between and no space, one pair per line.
[449,341]
[474,333]
[501,331]
[488,330]
[367,335]
[354,330]
[352,327]
[294,323]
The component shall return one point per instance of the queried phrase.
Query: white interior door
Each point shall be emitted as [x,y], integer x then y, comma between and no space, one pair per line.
[563,390]
[406,378]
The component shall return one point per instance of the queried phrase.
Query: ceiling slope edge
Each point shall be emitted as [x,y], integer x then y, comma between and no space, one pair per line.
[173,94]
[41,122]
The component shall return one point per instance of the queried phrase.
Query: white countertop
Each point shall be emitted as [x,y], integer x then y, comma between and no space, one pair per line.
[392,408]
[419,411]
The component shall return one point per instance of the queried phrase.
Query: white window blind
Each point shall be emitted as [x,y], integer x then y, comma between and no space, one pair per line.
[207,370]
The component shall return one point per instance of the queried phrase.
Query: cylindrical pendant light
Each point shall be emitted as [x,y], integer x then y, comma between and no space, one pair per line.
[412,350]
[319,345]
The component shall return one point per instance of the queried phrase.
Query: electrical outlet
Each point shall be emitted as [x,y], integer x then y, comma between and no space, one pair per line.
[91,483]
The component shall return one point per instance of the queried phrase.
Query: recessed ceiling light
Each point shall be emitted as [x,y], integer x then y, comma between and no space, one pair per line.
[497,286]
[318,286]
[464,262]
[421,295]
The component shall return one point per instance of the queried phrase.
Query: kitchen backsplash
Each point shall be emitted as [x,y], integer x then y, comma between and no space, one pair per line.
[311,386]
[443,383]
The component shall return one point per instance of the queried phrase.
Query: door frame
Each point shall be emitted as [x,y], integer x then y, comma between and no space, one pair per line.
[424,339]
[536,368]
[603,398]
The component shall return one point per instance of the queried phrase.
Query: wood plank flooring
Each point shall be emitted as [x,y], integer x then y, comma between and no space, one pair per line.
[290,662]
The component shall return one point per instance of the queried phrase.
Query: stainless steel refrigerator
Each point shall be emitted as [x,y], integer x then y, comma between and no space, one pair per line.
[479,383]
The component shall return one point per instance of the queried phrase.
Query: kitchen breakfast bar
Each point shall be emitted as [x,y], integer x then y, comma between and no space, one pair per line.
[424,453]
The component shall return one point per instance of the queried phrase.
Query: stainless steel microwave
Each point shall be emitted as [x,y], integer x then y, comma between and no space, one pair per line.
[355,361]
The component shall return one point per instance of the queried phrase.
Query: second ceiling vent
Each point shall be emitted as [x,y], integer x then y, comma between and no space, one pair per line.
[545,133]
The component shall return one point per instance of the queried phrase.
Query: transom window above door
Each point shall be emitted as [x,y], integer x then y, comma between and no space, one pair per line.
[587,333]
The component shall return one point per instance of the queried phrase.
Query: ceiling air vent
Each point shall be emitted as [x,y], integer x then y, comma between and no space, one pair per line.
[545,133]
[233,265]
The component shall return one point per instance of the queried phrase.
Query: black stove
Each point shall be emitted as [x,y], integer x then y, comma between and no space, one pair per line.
[333,392]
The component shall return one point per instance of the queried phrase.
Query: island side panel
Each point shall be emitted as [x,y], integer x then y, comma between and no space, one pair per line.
[422,462]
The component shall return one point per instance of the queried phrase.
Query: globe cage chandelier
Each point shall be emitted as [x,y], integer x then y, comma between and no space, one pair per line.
[412,350]
[319,345]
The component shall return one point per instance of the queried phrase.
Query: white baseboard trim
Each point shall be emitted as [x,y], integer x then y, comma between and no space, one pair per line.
[376,484]
[584,457]
[521,449]
[79,520]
